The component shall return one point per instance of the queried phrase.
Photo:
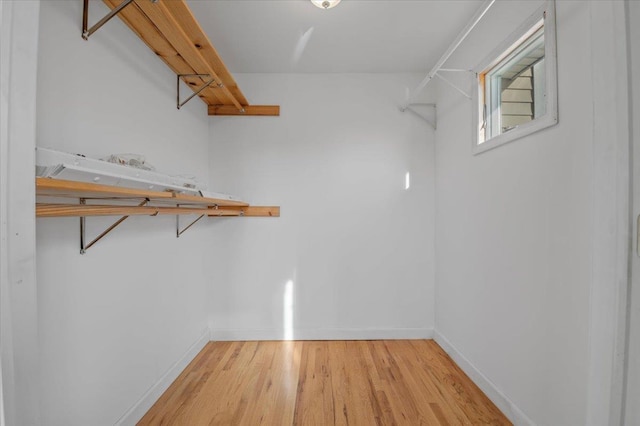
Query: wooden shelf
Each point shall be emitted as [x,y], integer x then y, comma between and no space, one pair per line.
[179,204]
[127,202]
[169,28]
[91,191]
[187,199]
[79,210]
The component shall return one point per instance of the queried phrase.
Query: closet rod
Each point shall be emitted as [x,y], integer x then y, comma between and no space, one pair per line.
[452,48]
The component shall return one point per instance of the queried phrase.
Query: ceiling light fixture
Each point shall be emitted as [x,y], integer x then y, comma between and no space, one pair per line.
[325,4]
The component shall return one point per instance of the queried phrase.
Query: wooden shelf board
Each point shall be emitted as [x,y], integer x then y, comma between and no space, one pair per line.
[258,211]
[79,210]
[205,211]
[169,29]
[73,189]
[194,31]
[137,21]
[180,204]
[250,110]
[186,199]
[76,210]
[173,31]
[87,210]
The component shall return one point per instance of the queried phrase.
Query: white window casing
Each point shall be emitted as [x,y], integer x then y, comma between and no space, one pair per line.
[545,16]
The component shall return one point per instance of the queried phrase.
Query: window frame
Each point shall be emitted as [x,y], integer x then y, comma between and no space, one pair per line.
[546,14]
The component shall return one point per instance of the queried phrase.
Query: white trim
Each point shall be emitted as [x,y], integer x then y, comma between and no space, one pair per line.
[19,27]
[631,372]
[508,407]
[550,118]
[235,334]
[6,343]
[140,408]
[610,225]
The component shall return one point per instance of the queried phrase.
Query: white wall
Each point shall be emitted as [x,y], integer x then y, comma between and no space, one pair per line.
[514,233]
[113,321]
[357,247]
[514,225]
[632,415]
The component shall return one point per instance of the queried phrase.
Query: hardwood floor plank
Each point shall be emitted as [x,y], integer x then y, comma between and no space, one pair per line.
[424,382]
[314,402]
[281,382]
[410,382]
[408,407]
[457,387]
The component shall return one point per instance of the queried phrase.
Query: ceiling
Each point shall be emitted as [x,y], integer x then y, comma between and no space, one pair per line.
[293,36]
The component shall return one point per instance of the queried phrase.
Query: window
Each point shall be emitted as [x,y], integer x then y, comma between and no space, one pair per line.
[516,93]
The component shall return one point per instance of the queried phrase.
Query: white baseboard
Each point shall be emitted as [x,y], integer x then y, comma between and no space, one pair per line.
[505,405]
[226,334]
[140,408]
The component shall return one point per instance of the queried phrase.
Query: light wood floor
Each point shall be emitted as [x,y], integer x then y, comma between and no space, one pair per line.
[403,382]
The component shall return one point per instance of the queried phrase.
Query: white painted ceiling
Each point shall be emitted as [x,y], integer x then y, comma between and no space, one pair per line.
[289,36]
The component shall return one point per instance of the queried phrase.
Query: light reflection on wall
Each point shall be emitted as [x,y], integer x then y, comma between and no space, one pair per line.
[301,45]
[288,310]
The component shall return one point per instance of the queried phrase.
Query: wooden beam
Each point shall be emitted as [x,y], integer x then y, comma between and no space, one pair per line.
[192,28]
[169,29]
[262,110]
[72,189]
[77,210]
[261,211]
[257,211]
[138,22]
[86,210]
[173,32]
[204,201]
[198,211]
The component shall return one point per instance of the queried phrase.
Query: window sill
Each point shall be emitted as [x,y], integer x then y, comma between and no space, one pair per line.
[520,131]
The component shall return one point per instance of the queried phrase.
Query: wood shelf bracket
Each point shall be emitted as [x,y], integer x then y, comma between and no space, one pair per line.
[84,247]
[87,32]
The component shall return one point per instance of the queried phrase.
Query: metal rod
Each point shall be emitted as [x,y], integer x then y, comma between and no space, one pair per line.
[452,48]
[87,33]
[82,226]
[85,18]
[221,86]
[638,236]
[109,229]
[453,85]
[454,70]
[207,84]
[188,226]
[179,76]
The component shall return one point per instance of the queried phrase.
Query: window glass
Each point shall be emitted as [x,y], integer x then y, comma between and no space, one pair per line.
[517,88]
